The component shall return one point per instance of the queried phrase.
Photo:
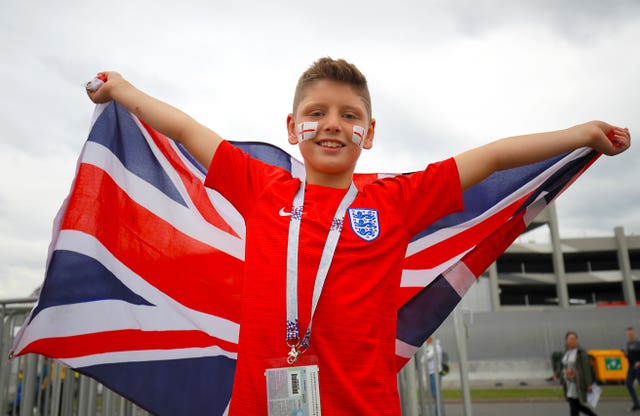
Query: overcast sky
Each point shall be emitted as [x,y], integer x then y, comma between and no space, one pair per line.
[444,76]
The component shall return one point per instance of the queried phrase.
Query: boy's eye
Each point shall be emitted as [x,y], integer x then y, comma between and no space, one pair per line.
[316,113]
[349,116]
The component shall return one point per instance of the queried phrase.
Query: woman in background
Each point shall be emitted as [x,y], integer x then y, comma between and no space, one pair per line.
[576,376]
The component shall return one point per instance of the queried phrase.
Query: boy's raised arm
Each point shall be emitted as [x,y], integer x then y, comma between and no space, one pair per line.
[199,140]
[476,164]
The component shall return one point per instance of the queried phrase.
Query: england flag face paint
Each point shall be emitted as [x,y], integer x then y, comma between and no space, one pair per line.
[358,135]
[307,130]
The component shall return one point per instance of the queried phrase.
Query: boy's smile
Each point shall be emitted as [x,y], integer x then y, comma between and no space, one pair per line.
[331,126]
[330,144]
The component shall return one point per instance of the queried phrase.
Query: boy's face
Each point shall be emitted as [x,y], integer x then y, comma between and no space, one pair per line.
[336,109]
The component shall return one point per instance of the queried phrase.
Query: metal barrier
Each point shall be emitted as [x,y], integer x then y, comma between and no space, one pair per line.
[36,385]
[417,394]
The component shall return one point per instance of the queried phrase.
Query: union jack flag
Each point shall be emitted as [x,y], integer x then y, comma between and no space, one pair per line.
[145,265]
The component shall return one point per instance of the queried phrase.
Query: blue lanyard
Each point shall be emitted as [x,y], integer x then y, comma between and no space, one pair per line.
[296,345]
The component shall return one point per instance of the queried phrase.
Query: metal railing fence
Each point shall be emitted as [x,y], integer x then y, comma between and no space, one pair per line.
[36,385]
[418,397]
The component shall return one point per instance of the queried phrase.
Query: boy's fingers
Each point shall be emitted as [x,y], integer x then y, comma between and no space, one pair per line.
[619,137]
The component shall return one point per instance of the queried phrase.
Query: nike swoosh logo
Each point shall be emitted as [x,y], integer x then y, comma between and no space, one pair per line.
[283,213]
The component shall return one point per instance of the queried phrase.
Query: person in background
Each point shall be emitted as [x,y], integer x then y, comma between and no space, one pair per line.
[633,373]
[576,376]
[433,357]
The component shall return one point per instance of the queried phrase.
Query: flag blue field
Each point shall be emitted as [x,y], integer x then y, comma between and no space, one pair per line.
[144,272]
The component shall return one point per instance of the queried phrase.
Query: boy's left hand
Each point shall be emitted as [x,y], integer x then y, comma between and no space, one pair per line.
[607,139]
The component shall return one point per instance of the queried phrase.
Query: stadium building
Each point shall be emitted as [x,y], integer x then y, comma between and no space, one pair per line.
[518,312]
[596,271]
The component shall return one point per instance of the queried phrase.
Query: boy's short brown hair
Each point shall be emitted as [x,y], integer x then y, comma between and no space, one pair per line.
[335,70]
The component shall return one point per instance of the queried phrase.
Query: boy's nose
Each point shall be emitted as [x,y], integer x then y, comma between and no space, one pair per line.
[331,122]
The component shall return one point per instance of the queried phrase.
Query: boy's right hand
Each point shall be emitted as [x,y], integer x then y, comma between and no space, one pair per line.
[199,140]
[104,93]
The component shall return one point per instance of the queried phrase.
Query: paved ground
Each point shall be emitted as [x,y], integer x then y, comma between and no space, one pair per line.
[535,408]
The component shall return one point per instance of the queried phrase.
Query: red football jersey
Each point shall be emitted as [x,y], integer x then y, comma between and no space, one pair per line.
[354,327]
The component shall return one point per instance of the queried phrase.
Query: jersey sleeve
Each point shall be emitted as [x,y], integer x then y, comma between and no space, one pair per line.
[426,196]
[238,177]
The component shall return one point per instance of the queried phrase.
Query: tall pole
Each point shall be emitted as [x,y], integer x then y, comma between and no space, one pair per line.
[461,341]
[558,260]
[495,287]
[625,267]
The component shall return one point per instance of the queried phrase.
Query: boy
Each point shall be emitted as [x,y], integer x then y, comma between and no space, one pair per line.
[296,236]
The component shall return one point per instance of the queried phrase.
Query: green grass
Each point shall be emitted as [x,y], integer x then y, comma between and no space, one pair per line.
[528,393]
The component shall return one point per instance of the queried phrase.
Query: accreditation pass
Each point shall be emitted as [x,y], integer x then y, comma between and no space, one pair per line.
[293,391]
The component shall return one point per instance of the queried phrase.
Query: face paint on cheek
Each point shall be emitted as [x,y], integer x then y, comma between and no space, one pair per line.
[358,135]
[306,130]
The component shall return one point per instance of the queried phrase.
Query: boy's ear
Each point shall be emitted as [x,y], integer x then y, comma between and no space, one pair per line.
[291,130]
[368,141]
